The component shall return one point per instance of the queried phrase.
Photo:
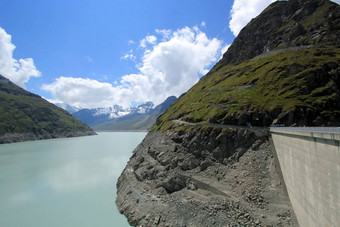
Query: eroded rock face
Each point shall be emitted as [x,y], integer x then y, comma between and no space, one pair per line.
[203,177]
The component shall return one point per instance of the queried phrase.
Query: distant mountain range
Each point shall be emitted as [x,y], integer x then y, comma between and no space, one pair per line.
[140,119]
[117,118]
[26,116]
[96,115]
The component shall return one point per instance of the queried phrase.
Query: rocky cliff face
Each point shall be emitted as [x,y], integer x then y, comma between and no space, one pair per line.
[205,176]
[201,165]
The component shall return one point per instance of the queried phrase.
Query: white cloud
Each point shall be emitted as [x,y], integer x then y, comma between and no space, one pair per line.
[80,92]
[129,56]
[173,66]
[170,67]
[203,24]
[18,71]
[165,33]
[243,11]
[150,39]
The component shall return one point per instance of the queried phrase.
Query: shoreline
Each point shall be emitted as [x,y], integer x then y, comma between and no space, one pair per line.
[142,130]
[176,178]
[24,137]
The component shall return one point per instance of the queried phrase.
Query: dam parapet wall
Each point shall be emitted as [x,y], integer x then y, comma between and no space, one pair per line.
[309,158]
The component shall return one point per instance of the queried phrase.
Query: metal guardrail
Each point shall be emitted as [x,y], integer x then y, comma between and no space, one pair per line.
[333,130]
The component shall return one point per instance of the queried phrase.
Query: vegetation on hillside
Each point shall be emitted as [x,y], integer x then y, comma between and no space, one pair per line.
[24,112]
[283,68]
[295,87]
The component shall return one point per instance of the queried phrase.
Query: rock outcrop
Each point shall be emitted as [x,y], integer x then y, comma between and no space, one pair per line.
[206,176]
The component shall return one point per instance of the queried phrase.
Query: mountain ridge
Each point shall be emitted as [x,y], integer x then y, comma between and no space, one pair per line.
[306,26]
[273,75]
[139,119]
[99,115]
[26,116]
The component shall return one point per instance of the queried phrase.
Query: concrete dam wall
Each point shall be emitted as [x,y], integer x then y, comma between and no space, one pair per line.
[310,163]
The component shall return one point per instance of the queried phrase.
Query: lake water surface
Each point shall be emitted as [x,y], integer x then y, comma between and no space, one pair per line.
[64,182]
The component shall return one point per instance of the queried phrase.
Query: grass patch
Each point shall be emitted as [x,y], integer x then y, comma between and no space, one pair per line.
[285,81]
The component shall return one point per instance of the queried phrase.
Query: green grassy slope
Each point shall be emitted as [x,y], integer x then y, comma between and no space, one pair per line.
[295,86]
[24,112]
[283,68]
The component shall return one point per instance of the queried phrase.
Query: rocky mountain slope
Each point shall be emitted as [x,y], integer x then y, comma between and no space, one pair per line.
[142,118]
[293,85]
[284,24]
[26,116]
[203,177]
[200,165]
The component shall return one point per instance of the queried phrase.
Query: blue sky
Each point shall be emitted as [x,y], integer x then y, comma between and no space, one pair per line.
[99,53]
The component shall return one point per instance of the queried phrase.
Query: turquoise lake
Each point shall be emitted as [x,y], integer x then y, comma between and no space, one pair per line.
[64,182]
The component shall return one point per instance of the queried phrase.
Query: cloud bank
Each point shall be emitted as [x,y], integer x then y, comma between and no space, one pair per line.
[167,67]
[243,11]
[150,39]
[18,71]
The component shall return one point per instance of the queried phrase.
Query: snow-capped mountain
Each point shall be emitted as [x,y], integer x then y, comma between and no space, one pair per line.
[138,114]
[143,108]
[111,112]
[96,116]
[142,117]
